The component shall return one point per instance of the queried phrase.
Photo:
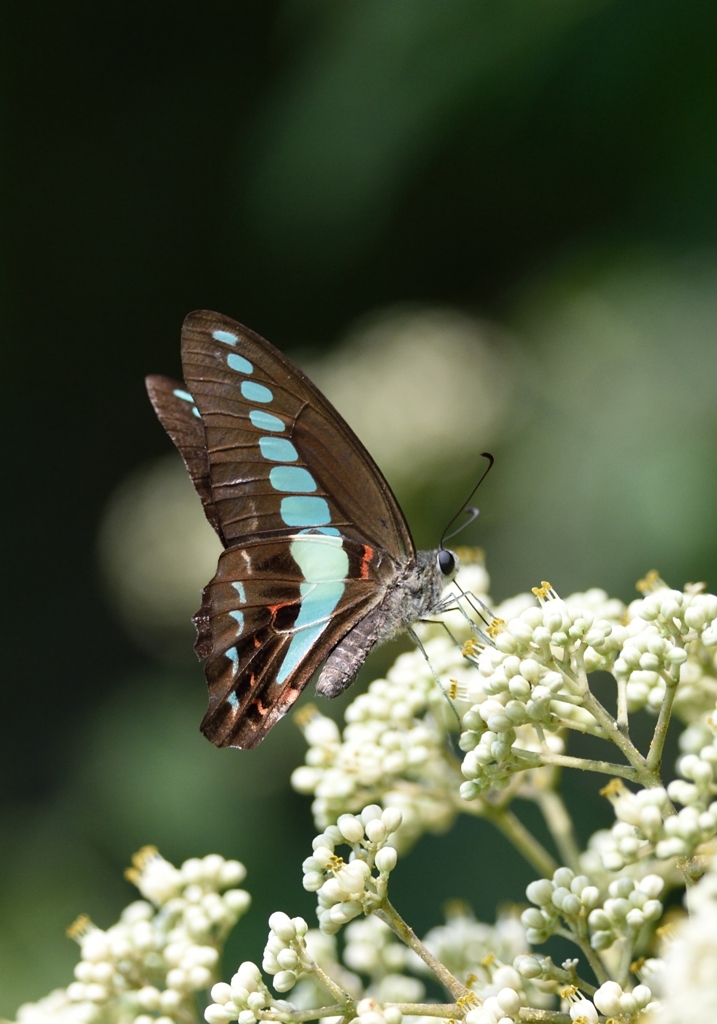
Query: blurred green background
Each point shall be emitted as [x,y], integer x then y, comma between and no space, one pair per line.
[479,223]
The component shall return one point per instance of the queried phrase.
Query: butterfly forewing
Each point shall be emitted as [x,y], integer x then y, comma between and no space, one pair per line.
[180,417]
[260,413]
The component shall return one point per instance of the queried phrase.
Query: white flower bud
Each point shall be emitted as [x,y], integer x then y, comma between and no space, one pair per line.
[237,900]
[198,978]
[370,813]
[171,1000]
[540,891]
[216,1014]
[584,1010]
[351,828]
[509,1001]
[282,925]
[232,873]
[148,997]
[607,998]
[287,959]
[376,831]
[386,860]
[392,819]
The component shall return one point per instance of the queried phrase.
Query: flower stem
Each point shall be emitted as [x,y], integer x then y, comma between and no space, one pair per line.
[343,997]
[524,841]
[657,743]
[587,764]
[560,824]
[587,951]
[447,1010]
[390,916]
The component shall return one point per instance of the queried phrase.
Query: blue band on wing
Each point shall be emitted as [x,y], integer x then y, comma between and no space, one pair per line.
[291,478]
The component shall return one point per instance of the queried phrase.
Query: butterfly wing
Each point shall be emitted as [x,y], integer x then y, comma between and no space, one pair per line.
[314,535]
[180,417]
[265,630]
[271,434]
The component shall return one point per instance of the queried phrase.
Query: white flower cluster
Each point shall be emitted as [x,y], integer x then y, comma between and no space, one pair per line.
[146,967]
[689,969]
[629,907]
[573,899]
[672,636]
[395,734]
[243,999]
[285,952]
[566,896]
[533,676]
[347,889]
[646,825]
[614,1002]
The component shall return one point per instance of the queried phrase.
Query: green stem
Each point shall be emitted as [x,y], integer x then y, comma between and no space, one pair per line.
[447,1010]
[626,954]
[657,744]
[591,730]
[524,841]
[390,916]
[587,764]
[603,717]
[587,951]
[331,986]
[527,1015]
[299,1016]
[560,824]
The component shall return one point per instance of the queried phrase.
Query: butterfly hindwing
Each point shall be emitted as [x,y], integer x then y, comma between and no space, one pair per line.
[261,622]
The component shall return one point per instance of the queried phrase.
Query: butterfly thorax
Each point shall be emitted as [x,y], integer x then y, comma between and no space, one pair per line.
[413,593]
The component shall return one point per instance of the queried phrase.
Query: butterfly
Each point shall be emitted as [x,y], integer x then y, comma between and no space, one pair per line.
[318,564]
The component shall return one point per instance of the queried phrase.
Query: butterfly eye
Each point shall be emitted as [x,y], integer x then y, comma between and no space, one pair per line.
[446,561]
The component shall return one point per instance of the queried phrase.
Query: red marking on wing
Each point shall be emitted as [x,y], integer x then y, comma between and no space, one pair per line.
[367,556]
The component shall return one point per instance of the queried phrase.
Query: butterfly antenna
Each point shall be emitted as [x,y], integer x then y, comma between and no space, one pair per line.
[470,510]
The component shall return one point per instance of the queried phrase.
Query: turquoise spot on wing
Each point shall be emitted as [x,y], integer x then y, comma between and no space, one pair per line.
[305,511]
[233,657]
[233,700]
[184,395]
[226,336]
[327,531]
[239,587]
[301,644]
[321,559]
[239,363]
[291,478]
[196,412]
[239,618]
[324,565]
[265,421]
[254,392]
[277,449]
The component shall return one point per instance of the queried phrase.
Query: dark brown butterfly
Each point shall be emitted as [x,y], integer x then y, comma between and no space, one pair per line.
[319,564]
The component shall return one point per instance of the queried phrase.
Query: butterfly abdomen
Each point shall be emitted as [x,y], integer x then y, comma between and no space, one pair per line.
[414,593]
